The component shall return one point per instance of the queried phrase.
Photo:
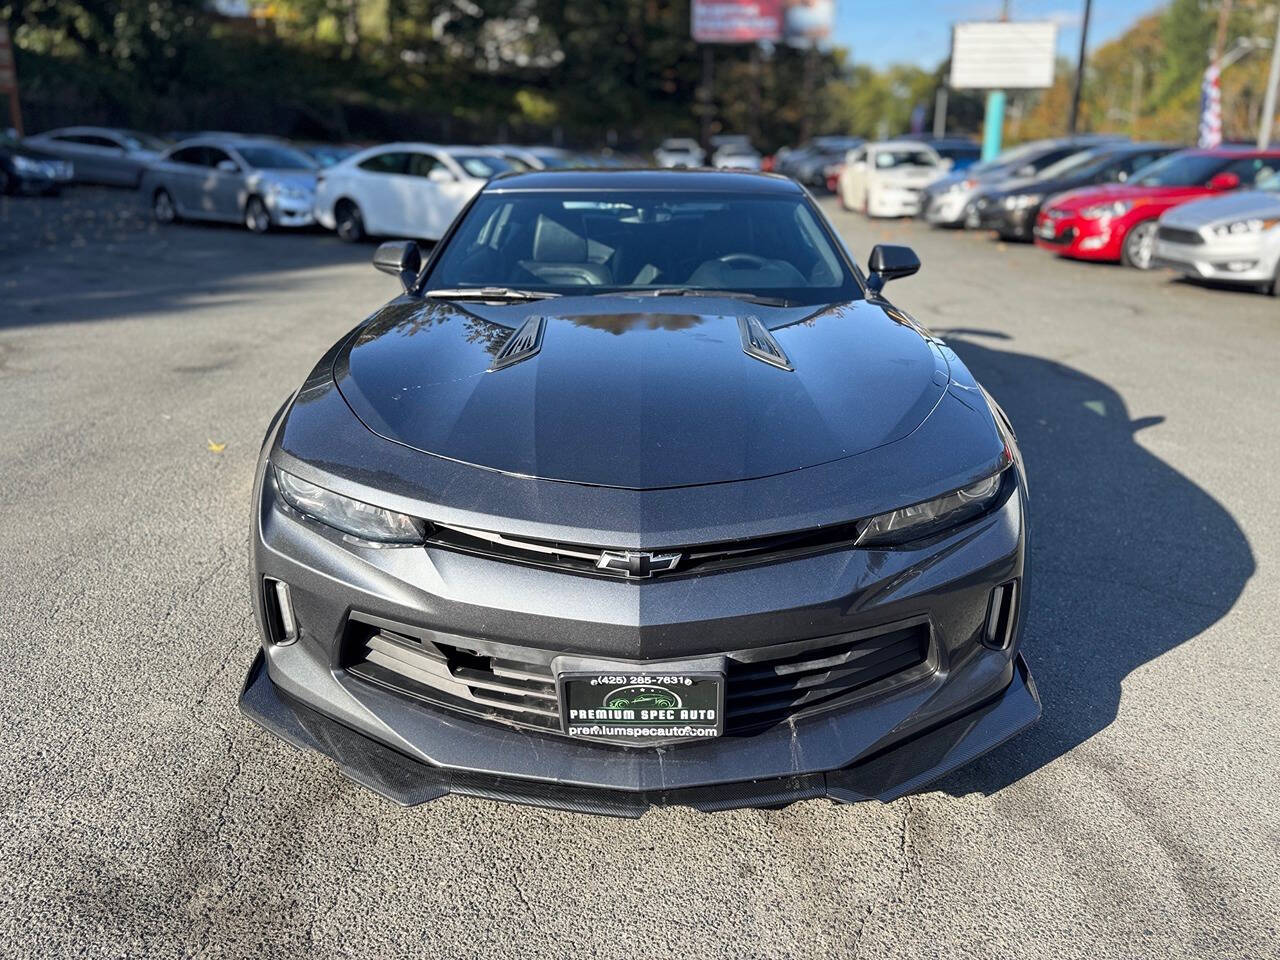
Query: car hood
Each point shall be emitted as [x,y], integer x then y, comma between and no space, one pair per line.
[297,179]
[1228,206]
[640,393]
[1088,196]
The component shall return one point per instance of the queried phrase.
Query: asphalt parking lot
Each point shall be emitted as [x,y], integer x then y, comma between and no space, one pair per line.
[141,816]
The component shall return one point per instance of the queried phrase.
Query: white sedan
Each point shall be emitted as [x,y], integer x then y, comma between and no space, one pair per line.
[885,179]
[410,190]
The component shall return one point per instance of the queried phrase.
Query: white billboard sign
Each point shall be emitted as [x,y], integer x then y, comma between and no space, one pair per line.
[1003,56]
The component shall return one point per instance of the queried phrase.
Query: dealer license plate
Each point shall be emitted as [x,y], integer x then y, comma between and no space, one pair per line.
[631,706]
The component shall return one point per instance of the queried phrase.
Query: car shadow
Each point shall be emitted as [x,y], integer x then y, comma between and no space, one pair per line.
[1128,557]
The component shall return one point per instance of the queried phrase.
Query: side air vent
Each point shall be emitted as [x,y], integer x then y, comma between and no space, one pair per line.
[523,344]
[758,342]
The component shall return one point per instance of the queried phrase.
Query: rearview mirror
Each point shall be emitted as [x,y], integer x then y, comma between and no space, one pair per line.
[1224,181]
[889,262]
[401,259]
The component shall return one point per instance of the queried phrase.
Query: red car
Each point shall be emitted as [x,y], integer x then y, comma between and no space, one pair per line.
[1118,222]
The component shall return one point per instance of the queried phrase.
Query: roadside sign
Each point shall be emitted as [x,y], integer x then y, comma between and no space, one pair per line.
[736,21]
[1003,56]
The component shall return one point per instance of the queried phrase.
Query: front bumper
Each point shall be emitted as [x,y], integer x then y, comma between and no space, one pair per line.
[946,584]
[291,212]
[893,202]
[1245,260]
[1081,239]
[1015,224]
[903,768]
[947,209]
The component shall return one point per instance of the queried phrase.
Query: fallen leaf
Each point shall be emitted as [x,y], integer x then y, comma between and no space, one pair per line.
[216,447]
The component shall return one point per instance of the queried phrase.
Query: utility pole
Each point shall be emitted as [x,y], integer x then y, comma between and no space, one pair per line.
[1224,20]
[1075,96]
[940,112]
[1273,81]
[757,80]
[706,95]
[806,94]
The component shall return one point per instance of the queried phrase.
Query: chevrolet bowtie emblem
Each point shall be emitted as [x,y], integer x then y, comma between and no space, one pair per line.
[634,564]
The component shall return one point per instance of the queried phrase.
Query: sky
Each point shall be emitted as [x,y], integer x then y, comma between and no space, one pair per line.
[919,31]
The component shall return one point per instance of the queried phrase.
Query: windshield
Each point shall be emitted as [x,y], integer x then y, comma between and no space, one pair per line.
[888,159]
[275,158]
[585,242]
[142,141]
[1270,184]
[483,165]
[1069,164]
[1179,170]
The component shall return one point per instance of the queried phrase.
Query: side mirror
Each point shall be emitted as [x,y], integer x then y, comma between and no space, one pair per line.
[1224,181]
[401,259]
[228,166]
[947,163]
[889,262]
[1028,170]
[441,175]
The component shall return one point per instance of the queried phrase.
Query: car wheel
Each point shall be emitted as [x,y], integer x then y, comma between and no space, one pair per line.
[1140,246]
[256,217]
[163,208]
[6,184]
[348,222]
[1273,288]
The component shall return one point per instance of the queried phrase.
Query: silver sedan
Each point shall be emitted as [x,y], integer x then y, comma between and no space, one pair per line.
[106,155]
[260,183]
[1234,238]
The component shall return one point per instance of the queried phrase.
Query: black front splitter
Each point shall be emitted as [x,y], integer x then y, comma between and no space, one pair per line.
[900,769]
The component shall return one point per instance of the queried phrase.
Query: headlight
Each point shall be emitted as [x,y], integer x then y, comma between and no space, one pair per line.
[1020,201]
[1116,208]
[27,165]
[1252,225]
[361,520]
[922,519]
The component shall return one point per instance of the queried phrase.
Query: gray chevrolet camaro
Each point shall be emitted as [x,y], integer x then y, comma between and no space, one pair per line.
[641,493]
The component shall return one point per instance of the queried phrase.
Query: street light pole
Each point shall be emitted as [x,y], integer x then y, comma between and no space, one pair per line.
[1075,96]
[1273,81]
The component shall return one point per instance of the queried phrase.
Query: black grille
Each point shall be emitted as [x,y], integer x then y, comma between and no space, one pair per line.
[1174,235]
[703,558]
[1063,238]
[763,686]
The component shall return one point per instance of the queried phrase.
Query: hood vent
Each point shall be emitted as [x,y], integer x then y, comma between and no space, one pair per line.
[758,342]
[521,345]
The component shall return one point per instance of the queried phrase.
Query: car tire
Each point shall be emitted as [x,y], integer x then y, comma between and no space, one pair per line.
[348,221]
[163,209]
[257,219]
[6,183]
[1273,288]
[1139,246]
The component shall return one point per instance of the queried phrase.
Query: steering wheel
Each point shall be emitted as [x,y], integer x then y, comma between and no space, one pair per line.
[743,261]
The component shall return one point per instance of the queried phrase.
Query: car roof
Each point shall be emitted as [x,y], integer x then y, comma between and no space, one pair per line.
[899,143]
[692,181]
[229,140]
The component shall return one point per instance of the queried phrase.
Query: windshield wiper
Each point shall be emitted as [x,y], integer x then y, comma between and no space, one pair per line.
[489,293]
[700,292]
